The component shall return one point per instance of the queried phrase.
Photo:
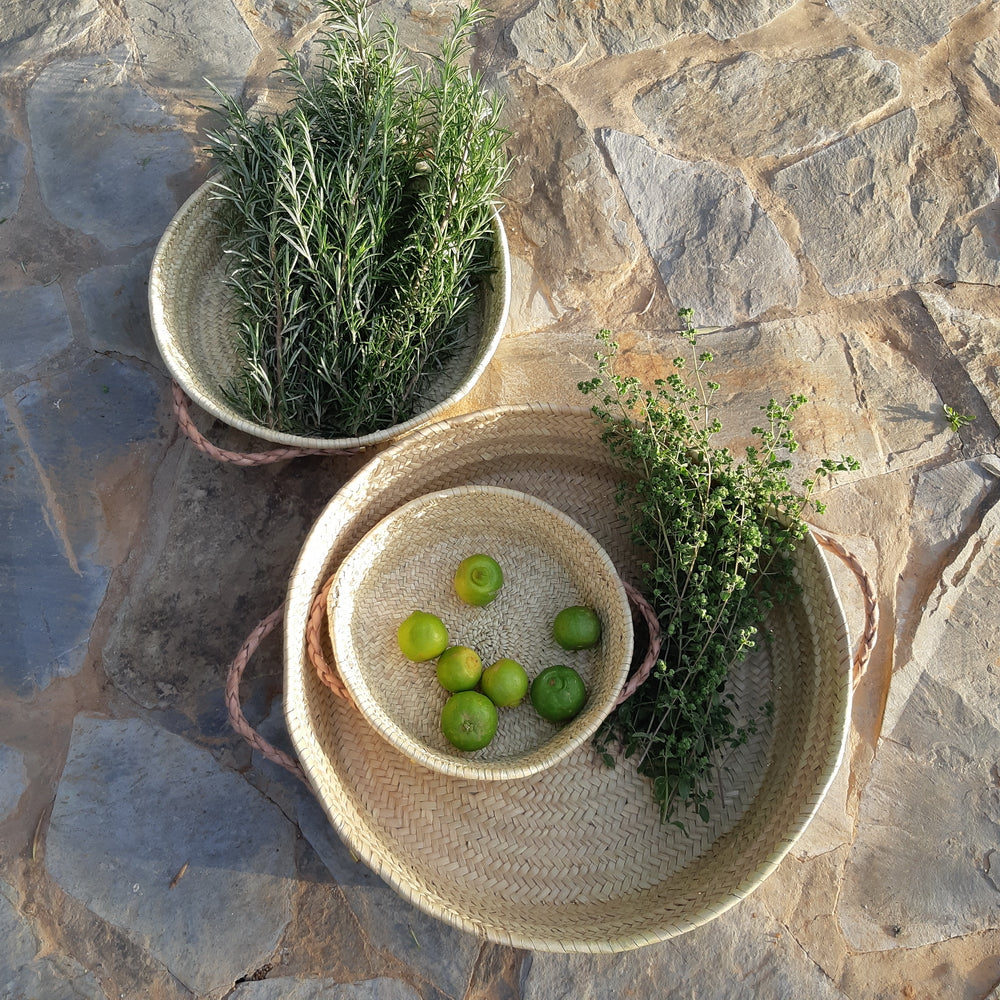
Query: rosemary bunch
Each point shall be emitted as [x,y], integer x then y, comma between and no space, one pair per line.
[358,226]
[719,532]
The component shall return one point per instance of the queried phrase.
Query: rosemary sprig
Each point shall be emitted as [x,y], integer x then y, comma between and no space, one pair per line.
[358,225]
[720,533]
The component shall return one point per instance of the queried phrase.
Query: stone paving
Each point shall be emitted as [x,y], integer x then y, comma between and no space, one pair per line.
[817,180]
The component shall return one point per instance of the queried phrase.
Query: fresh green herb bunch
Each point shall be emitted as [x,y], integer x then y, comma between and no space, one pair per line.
[956,420]
[719,533]
[358,223]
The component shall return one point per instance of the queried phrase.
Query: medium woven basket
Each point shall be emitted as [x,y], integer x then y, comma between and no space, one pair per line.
[574,858]
[407,562]
[193,311]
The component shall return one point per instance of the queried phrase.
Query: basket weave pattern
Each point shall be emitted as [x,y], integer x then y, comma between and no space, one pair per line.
[573,858]
[407,562]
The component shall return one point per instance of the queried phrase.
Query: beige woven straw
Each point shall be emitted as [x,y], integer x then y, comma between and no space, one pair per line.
[407,562]
[192,311]
[574,858]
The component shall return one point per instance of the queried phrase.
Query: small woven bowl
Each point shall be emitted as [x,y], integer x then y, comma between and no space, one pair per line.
[407,562]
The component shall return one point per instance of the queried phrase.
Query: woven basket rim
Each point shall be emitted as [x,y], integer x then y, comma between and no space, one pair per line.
[198,204]
[351,822]
[561,741]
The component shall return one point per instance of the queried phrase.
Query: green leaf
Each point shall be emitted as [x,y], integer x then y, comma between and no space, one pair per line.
[718,560]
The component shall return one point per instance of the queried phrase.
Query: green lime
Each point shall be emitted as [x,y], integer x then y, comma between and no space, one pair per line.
[478,579]
[459,668]
[577,628]
[558,693]
[422,636]
[469,720]
[505,683]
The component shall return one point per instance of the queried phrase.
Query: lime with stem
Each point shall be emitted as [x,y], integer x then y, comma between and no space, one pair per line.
[478,579]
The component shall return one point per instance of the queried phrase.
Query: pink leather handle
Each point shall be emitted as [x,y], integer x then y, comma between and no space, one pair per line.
[183,414]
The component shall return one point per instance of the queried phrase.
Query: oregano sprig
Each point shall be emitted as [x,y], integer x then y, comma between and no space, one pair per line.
[719,532]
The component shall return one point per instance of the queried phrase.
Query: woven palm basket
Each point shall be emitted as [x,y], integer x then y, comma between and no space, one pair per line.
[407,562]
[193,314]
[574,858]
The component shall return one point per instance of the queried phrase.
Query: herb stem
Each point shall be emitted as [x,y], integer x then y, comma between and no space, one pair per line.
[358,226]
[719,534]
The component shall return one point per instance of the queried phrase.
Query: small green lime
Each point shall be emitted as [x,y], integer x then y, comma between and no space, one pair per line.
[577,627]
[459,668]
[505,683]
[478,579]
[558,693]
[422,636]
[469,720]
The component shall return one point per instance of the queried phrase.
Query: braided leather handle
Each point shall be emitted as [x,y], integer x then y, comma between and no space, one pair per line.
[329,676]
[316,624]
[653,650]
[870,636]
[183,414]
[315,630]
[236,717]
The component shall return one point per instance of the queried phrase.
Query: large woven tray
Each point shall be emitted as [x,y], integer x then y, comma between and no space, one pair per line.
[192,312]
[574,858]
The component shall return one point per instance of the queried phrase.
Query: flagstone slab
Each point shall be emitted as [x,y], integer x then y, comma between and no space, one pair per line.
[717,250]
[901,399]
[863,395]
[421,24]
[51,590]
[36,327]
[966,968]
[325,989]
[807,356]
[926,861]
[985,61]
[900,23]
[26,973]
[136,805]
[185,43]
[13,167]
[59,435]
[20,944]
[115,304]
[34,29]
[558,34]
[440,953]
[745,954]
[13,780]
[215,563]
[892,205]
[104,151]
[538,307]
[946,500]
[971,332]
[286,16]
[751,106]
[570,216]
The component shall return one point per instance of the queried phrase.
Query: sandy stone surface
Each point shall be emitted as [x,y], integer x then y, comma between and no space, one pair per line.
[715,246]
[753,107]
[817,180]
[874,211]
